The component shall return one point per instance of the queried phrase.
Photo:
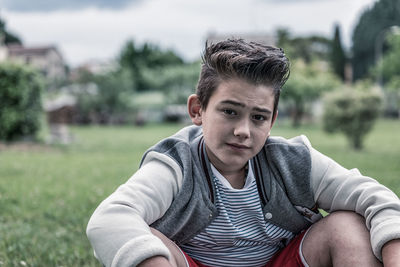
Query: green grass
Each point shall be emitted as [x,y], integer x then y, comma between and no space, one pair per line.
[47,193]
[380,157]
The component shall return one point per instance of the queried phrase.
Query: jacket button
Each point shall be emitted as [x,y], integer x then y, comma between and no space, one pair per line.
[268,216]
[210,216]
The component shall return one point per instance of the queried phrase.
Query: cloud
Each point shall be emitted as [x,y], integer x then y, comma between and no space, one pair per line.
[56,5]
[100,33]
[297,1]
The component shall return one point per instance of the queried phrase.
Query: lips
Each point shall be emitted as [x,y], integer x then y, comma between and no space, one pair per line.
[238,146]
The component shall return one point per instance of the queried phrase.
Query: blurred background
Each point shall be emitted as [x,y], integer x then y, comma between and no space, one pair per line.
[86,86]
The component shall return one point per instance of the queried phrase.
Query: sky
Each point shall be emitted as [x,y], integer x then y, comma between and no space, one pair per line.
[87,30]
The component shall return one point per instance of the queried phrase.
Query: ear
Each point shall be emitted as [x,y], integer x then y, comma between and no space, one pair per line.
[194,109]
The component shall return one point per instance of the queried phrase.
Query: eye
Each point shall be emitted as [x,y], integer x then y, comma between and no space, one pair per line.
[259,117]
[229,112]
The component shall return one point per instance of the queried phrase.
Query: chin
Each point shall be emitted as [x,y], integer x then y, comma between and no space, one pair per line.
[236,163]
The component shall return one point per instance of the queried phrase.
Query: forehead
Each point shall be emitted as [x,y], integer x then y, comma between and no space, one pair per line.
[243,92]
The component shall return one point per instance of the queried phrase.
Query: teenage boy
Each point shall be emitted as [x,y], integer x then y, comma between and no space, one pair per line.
[224,193]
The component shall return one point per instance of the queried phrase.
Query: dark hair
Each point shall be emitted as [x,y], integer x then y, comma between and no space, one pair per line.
[234,58]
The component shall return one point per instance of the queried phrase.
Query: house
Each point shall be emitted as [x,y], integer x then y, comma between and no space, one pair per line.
[3,49]
[3,53]
[60,112]
[47,59]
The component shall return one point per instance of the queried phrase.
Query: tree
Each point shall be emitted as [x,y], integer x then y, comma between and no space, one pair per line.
[20,97]
[306,83]
[390,65]
[175,81]
[109,97]
[9,38]
[105,98]
[369,32]
[138,59]
[390,69]
[338,57]
[352,111]
[305,48]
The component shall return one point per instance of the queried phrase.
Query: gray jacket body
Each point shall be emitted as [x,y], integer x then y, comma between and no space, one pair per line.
[282,171]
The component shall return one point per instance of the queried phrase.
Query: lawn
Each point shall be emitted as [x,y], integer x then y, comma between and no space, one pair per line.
[47,193]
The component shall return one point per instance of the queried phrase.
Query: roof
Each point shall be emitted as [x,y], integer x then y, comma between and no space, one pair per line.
[19,50]
[59,102]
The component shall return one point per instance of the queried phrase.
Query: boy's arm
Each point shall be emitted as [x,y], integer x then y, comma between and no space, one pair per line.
[337,188]
[119,228]
[391,253]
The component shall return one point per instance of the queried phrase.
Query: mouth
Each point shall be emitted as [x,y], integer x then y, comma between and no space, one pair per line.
[238,146]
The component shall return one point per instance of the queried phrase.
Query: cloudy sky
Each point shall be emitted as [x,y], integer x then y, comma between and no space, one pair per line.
[85,30]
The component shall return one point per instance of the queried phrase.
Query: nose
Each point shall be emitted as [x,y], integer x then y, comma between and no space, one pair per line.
[242,129]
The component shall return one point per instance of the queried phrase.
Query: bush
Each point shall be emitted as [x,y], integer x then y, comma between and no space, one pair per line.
[352,111]
[20,98]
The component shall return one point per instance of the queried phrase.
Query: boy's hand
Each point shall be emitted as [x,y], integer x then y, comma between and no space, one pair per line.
[157,261]
[391,253]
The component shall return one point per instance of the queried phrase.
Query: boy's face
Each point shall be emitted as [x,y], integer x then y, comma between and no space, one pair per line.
[236,123]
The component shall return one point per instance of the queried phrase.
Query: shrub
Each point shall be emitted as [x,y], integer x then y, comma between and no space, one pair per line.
[20,97]
[352,111]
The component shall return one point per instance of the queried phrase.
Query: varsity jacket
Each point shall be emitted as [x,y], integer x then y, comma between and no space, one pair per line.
[172,192]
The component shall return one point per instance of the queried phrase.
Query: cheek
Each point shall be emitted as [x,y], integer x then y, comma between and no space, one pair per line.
[261,136]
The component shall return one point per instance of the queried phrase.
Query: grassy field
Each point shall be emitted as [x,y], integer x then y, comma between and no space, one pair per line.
[47,193]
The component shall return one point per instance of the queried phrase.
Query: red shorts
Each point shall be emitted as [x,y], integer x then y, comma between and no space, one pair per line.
[289,256]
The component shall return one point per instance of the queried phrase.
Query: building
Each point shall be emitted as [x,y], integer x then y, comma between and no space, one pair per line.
[3,53]
[60,112]
[47,59]
[96,67]
[3,49]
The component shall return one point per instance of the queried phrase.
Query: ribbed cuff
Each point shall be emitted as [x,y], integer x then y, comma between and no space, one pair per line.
[385,232]
[138,250]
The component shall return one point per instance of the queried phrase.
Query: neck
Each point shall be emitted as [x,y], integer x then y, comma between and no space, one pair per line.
[236,178]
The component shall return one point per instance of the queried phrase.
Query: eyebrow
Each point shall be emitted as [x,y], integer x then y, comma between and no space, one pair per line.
[235,103]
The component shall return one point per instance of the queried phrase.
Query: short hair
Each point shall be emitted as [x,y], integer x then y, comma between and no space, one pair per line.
[234,58]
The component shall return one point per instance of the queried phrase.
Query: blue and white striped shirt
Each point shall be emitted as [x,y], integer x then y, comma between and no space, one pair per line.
[239,235]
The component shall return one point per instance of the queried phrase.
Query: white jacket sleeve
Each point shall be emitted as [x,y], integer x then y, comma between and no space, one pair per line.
[337,188]
[118,229]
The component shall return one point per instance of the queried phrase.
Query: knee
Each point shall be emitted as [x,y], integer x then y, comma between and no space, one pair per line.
[346,227]
[344,220]
[339,237]
[338,228]
[177,258]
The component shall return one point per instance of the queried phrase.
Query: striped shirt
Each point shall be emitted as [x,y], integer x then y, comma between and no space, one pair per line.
[239,235]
